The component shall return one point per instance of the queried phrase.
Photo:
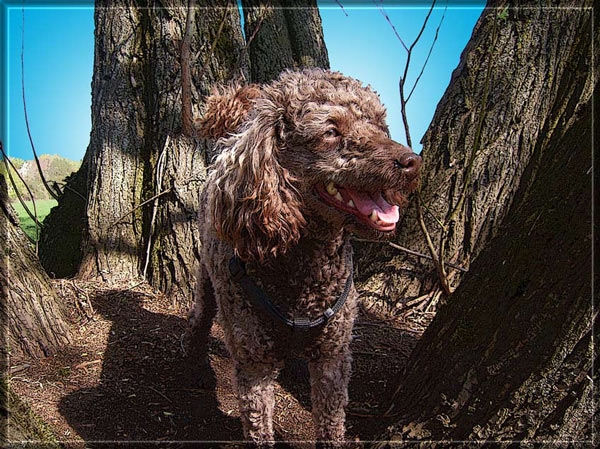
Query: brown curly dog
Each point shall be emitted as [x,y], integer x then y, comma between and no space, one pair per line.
[303,162]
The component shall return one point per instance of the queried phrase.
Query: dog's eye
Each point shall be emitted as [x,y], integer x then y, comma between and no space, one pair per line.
[331,133]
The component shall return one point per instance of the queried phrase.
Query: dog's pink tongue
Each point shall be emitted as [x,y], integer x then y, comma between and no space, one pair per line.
[366,202]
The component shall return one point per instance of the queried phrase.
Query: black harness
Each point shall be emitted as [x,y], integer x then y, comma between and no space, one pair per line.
[259,299]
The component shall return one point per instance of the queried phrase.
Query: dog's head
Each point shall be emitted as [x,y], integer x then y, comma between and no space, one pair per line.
[312,146]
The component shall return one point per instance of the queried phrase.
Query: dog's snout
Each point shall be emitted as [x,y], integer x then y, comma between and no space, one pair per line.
[409,163]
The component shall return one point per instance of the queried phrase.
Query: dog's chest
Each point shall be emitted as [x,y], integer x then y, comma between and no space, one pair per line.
[304,288]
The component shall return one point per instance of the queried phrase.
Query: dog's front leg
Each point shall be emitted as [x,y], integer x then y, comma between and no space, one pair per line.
[254,382]
[329,377]
[198,332]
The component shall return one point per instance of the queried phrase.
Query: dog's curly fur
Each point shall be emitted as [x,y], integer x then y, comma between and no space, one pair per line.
[277,143]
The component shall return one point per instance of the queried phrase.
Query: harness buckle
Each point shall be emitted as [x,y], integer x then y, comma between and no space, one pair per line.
[301,324]
[237,269]
[328,314]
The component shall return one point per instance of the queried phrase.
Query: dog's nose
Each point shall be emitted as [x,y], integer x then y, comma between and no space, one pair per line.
[409,163]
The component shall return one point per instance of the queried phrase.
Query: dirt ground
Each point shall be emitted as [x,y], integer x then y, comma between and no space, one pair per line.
[125,377]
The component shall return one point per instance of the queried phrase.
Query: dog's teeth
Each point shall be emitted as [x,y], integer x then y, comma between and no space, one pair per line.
[351,203]
[331,189]
[338,196]
[373,216]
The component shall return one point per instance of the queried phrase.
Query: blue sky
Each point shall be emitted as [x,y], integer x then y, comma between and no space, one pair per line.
[59,49]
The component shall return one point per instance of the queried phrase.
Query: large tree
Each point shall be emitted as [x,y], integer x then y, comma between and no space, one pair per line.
[32,321]
[33,318]
[529,56]
[139,146]
[509,355]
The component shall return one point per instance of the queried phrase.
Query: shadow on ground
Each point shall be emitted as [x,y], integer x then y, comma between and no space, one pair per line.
[148,391]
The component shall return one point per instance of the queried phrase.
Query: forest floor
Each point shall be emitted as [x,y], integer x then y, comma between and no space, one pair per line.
[125,376]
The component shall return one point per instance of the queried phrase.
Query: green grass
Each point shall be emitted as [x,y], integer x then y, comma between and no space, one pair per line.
[43,208]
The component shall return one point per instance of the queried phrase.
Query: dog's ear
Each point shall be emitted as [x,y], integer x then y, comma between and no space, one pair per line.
[226,109]
[254,204]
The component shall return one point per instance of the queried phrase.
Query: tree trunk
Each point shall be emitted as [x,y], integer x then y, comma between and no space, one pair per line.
[288,38]
[529,59]
[62,231]
[137,150]
[136,104]
[509,355]
[30,311]
[18,423]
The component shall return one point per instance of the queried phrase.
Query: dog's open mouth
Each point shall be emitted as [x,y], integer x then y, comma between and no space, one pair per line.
[371,208]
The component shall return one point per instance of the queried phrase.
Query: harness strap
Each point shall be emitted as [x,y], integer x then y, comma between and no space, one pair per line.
[259,299]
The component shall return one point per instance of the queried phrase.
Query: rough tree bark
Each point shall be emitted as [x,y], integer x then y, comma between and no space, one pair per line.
[136,104]
[136,118]
[509,356]
[31,314]
[530,58]
[18,423]
[288,38]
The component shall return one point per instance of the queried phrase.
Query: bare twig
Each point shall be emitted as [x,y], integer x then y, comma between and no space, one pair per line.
[149,200]
[66,186]
[87,300]
[158,392]
[411,252]
[382,11]
[437,220]
[187,127]
[435,257]
[214,42]
[249,41]
[416,301]
[434,299]
[159,179]
[437,30]
[402,80]
[341,6]
[37,161]
[33,215]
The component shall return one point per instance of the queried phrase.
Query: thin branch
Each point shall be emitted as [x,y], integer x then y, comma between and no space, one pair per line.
[437,220]
[33,215]
[403,99]
[425,256]
[249,41]
[435,257]
[255,32]
[341,6]
[437,30]
[403,108]
[66,186]
[423,27]
[214,42]
[159,179]
[411,252]
[403,79]
[37,161]
[382,11]
[149,200]
[187,127]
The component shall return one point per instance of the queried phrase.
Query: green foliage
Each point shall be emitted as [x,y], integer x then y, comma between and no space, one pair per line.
[55,168]
[43,209]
